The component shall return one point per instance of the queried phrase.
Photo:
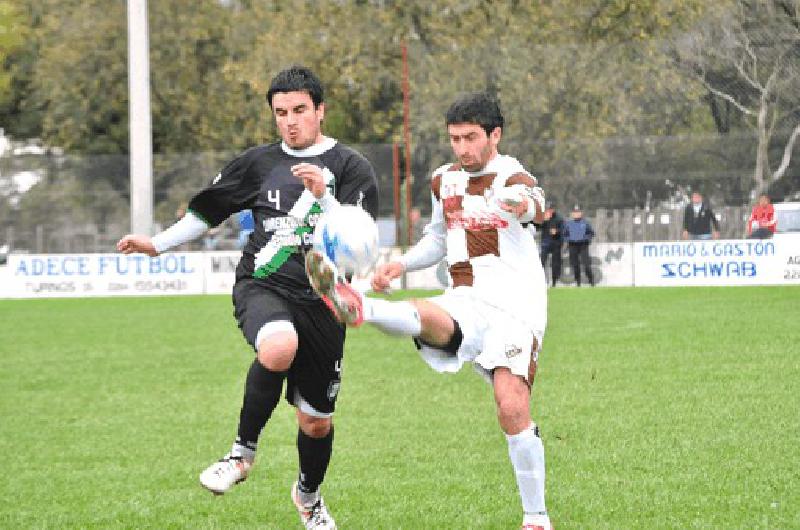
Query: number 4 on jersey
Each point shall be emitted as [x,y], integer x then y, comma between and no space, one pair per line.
[274,196]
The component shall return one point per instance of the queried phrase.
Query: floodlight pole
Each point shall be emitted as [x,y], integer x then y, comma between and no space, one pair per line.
[140,135]
[407,142]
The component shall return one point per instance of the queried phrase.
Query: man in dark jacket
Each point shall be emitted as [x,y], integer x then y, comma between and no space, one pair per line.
[698,220]
[579,233]
[552,242]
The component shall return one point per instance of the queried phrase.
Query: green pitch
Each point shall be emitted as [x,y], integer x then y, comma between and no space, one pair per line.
[659,408]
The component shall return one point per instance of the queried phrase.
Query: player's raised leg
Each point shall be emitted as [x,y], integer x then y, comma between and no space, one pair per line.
[417,318]
[525,448]
[338,294]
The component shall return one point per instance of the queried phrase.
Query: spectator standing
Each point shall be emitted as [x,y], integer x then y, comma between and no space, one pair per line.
[552,242]
[699,221]
[579,233]
[762,222]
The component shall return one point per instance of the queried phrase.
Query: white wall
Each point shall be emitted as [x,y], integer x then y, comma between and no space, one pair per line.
[674,263]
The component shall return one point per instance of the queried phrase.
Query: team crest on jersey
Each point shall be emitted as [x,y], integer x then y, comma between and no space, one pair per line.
[512,350]
[333,389]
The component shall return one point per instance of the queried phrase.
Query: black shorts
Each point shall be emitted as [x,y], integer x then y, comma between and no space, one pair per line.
[316,370]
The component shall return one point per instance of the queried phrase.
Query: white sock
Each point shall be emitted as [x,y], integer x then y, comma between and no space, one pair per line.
[397,318]
[307,498]
[527,457]
[245,452]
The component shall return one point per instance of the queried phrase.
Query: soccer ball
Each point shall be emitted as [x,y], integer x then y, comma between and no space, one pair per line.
[348,236]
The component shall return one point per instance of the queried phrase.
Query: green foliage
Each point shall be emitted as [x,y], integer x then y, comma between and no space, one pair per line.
[80,75]
[573,76]
[14,30]
[12,35]
[211,63]
[627,20]
[673,410]
[747,58]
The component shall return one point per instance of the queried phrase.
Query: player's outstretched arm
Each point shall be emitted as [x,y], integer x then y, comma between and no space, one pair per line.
[384,274]
[188,228]
[133,243]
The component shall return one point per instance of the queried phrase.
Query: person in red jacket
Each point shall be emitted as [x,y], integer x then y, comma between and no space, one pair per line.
[761,224]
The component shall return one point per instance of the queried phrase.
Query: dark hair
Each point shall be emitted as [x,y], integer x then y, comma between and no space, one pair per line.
[296,79]
[479,108]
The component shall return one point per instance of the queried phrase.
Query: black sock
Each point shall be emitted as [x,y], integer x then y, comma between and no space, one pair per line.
[262,391]
[315,454]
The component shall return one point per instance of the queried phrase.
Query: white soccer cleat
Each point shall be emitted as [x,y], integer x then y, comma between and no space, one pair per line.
[220,476]
[314,517]
[341,298]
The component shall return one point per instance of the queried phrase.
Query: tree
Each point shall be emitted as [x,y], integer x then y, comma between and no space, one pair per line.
[16,58]
[569,75]
[749,57]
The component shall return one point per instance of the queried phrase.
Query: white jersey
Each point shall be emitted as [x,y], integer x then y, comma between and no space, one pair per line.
[486,248]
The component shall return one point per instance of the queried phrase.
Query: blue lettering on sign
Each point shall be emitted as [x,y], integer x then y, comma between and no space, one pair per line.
[684,270]
[709,269]
[138,265]
[764,249]
[749,248]
[53,266]
[672,250]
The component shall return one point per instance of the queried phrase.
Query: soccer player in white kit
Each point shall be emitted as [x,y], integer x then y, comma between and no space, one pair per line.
[495,313]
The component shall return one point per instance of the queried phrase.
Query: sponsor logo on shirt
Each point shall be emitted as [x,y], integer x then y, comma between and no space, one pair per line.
[475,220]
[512,350]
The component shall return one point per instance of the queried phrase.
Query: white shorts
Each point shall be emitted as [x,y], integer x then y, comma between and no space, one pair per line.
[493,337]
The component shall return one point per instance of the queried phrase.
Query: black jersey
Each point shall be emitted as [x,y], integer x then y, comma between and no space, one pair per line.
[285,212]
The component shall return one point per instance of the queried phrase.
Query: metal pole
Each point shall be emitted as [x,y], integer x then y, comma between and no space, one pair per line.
[140,136]
[396,183]
[407,142]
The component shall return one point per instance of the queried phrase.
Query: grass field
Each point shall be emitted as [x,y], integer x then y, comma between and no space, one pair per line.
[659,408]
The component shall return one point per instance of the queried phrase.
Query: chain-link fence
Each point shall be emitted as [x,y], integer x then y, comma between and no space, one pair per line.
[74,204]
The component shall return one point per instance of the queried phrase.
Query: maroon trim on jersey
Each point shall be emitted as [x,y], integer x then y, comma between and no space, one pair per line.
[479,185]
[461,273]
[521,178]
[436,181]
[436,184]
[485,241]
[480,233]
[527,180]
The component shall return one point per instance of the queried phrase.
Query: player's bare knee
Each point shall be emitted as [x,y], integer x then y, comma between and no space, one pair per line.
[313,426]
[512,396]
[437,325]
[513,416]
[276,351]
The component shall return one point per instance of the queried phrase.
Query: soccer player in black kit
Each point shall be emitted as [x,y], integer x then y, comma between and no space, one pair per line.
[287,185]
